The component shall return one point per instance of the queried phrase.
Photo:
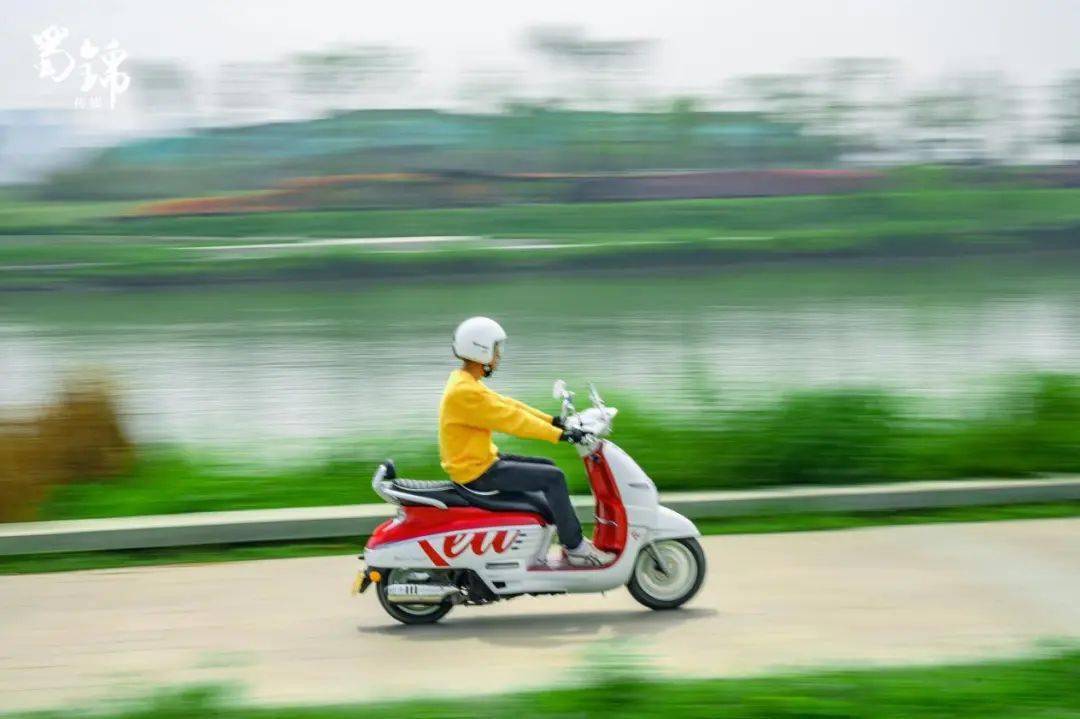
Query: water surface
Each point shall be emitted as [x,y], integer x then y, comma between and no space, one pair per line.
[277,368]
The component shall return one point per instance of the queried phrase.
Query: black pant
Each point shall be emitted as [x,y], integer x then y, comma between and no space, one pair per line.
[514,473]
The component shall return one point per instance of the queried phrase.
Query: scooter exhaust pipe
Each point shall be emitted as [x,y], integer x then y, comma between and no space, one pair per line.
[423,594]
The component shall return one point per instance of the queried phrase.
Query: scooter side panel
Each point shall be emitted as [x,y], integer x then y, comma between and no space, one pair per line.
[465,549]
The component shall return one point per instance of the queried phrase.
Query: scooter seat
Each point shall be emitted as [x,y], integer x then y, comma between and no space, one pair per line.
[452,494]
[442,490]
[530,502]
[422,485]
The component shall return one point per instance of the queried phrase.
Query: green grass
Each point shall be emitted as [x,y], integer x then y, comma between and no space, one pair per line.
[1030,688]
[677,233]
[166,481]
[73,561]
[17,214]
[892,212]
[77,561]
[826,521]
[831,436]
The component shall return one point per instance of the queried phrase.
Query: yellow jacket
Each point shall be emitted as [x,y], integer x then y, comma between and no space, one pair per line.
[467,415]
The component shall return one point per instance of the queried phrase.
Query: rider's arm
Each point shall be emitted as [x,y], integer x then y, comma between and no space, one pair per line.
[490,410]
[531,410]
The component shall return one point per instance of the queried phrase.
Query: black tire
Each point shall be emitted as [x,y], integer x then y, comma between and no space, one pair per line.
[430,615]
[642,595]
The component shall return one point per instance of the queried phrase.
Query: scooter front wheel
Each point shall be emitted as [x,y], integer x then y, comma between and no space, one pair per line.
[667,573]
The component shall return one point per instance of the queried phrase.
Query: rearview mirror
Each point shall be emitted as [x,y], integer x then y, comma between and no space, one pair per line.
[558,390]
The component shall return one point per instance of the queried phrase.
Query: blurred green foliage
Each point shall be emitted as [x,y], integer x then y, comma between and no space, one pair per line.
[832,436]
[1043,687]
[945,208]
[17,211]
[82,245]
[842,436]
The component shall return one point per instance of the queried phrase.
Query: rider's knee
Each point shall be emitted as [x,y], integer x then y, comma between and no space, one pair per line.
[557,477]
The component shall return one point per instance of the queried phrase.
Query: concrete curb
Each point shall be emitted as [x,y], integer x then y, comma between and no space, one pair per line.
[177,530]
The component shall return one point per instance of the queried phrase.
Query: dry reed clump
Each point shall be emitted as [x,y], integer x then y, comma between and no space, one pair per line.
[76,438]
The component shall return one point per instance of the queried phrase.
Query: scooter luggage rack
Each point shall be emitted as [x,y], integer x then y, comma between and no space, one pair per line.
[386,490]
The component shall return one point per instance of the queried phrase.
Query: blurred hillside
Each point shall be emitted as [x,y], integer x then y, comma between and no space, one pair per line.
[370,159]
[430,141]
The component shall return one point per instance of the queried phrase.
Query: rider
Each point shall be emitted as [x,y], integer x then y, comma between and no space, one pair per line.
[470,411]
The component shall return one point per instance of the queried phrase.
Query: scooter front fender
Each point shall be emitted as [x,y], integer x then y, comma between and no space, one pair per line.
[672,525]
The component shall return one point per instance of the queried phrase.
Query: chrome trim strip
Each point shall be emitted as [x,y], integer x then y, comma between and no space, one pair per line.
[418,499]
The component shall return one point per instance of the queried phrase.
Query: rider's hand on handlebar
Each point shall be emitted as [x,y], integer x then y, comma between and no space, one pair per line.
[574,435]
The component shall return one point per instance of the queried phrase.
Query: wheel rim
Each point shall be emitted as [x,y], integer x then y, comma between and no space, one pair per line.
[417,610]
[677,581]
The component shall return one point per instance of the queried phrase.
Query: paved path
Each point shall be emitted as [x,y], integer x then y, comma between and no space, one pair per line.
[288,631]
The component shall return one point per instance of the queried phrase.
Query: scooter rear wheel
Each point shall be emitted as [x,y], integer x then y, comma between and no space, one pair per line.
[669,580]
[409,613]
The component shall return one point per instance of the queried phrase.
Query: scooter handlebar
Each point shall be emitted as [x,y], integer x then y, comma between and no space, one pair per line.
[596,420]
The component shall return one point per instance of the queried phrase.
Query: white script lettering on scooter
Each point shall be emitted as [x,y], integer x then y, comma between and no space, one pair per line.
[454,545]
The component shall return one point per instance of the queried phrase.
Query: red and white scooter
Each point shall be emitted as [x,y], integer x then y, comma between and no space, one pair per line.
[449,545]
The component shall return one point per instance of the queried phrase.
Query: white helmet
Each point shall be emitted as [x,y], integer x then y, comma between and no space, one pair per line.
[477,339]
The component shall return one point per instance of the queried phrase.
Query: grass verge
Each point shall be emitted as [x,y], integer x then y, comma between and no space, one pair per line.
[889,211]
[37,250]
[72,561]
[1043,687]
[814,437]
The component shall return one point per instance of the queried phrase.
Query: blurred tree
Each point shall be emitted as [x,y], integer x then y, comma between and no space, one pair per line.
[962,119]
[782,97]
[599,69]
[164,90]
[249,91]
[349,77]
[856,101]
[1010,132]
[685,113]
[489,90]
[851,99]
[1067,113]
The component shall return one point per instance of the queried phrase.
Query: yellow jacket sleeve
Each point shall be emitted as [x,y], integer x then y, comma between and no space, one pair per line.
[531,410]
[492,411]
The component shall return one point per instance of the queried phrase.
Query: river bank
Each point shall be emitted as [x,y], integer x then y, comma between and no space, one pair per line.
[45,248]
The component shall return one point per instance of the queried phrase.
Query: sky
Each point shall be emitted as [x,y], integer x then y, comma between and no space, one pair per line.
[702,44]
